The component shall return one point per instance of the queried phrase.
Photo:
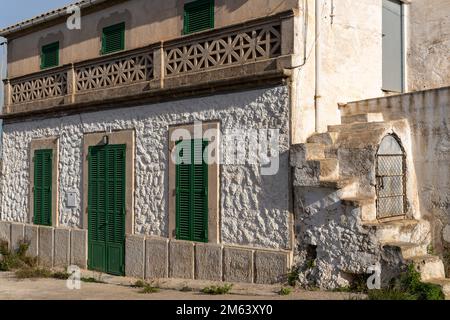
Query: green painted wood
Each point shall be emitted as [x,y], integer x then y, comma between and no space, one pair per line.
[198,16]
[50,55]
[113,38]
[192,191]
[106,208]
[43,187]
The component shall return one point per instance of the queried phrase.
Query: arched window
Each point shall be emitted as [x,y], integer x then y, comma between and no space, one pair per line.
[391,178]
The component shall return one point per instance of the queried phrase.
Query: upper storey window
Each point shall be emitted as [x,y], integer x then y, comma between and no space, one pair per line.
[393,46]
[113,38]
[198,16]
[50,55]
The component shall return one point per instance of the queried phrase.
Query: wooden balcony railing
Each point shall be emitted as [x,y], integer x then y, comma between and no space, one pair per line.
[155,67]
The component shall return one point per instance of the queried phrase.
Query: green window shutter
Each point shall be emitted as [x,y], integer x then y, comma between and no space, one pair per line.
[198,16]
[50,55]
[43,187]
[183,193]
[192,192]
[113,38]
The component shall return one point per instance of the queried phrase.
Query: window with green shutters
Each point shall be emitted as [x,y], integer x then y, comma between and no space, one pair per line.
[50,55]
[43,187]
[113,38]
[198,16]
[192,191]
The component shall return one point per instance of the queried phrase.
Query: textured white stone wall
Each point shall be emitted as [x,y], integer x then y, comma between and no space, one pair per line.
[254,208]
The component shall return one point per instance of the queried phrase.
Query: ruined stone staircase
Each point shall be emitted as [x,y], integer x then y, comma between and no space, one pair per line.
[343,159]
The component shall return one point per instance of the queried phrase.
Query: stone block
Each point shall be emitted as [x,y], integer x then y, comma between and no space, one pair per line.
[78,248]
[46,246]
[270,267]
[208,262]
[62,248]
[32,238]
[181,259]
[134,256]
[156,258]
[238,265]
[5,231]
[17,235]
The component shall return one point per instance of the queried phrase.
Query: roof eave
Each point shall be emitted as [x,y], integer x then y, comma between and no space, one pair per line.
[46,17]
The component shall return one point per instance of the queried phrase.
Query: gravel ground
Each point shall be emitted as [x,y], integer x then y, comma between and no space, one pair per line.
[118,288]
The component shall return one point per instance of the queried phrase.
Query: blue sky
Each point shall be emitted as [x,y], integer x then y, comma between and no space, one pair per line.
[15,11]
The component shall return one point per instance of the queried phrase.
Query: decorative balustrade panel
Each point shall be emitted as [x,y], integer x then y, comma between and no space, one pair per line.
[42,87]
[120,71]
[244,46]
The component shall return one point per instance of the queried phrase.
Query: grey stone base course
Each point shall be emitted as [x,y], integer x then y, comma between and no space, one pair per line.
[32,238]
[17,235]
[238,265]
[270,267]
[134,256]
[156,258]
[208,262]
[62,248]
[46,245]
[181,259]
[79,248]
[5,231]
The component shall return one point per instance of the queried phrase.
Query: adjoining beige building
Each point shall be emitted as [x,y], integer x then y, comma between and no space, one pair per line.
[95,118]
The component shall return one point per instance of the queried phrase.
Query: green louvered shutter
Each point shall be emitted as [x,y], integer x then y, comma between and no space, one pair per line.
[115,194]
[97,209]
[113,38]
[50,55]
[192,192]
[106,205]
[198,16]
[43,187]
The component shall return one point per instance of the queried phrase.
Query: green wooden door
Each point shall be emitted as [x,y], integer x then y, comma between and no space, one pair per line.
[42,207]
[106,208]
[192,191]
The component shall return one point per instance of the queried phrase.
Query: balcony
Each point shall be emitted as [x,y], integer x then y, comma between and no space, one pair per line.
[250,52]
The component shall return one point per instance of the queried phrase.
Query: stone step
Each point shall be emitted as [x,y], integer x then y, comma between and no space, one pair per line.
[329,169]
[358,127]
[367,206]
[444,283]
[409,250]
[362,118]
[327,138]
[429,266]
[315,151]
[346,187]
[405,230]
[303,152]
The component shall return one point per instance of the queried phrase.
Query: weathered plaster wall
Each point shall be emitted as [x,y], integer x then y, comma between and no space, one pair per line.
[428,114]
[254,209]
[351,55]
[429,44]
[351,52]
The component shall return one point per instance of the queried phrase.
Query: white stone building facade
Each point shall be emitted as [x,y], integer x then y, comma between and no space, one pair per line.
[293,66]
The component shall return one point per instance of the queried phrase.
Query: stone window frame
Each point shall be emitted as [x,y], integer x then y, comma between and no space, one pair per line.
[213,183]
[126,137]
[50,143]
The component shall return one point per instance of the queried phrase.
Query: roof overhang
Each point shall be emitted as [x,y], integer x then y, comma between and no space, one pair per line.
[52,17]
